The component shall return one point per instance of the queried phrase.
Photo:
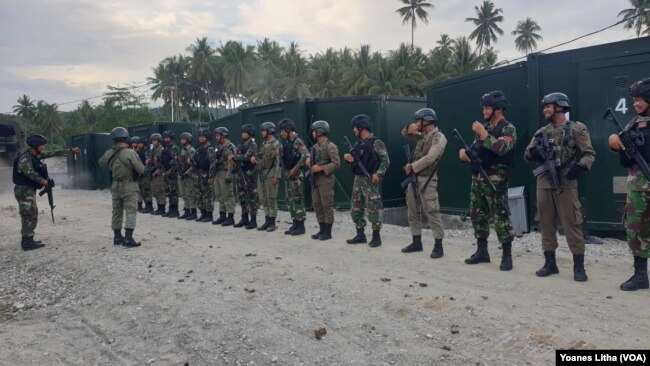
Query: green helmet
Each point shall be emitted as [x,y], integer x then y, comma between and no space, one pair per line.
[287,125]
[187,136]
[156,136]
[134,140]
[36,140]
[119,134]
[222,131]
[495,99]
[321,127]
[362,121]
[269,127]
[249,129]
[641,89]
[204,132]
[169,134]
[559,99]
[426,114]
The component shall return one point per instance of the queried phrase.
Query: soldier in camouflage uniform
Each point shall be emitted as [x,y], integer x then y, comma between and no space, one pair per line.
[133,145]
[494,145]
[30,174]
[144,183]
[294,154]
[221,177]
[572,144]
[157,181]
[365,190]
[202,160]
[245,169]
[323,162]
[637,209]
[169,161]
[428,152]
[270,175]
[187,175]
[125,168]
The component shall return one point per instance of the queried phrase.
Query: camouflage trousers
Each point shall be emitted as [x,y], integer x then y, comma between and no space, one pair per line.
[247,192]
[158,189]
[365,197]
[186,189]
[224,193]
[26,198]
[295,194]
[144,186]
[486,204]
[171,181]
[637,223]
[124,196]
[268,194]
[203,196]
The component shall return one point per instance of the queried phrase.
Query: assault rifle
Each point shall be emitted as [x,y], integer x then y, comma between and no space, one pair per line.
[411,179]
[358,163]
[551,161]
[632,140]
[48,190]
[474,160]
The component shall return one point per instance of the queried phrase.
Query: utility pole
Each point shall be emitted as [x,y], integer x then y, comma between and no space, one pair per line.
[171,90]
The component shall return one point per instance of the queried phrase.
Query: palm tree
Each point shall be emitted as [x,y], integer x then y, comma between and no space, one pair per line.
[203,67]
[414,10]
[359,72]
[237,63]
[326,74]
[463,60]
[25,108]
[48,118]
[487,17]
[526,40]
[296,82]
[637,17]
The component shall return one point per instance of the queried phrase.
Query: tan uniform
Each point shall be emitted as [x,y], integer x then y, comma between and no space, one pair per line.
[322,195]
[574,146]
[125,165]
[158,187]
[269,162]
[427,155]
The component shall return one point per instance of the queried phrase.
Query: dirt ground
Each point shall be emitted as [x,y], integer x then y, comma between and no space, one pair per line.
[197,294]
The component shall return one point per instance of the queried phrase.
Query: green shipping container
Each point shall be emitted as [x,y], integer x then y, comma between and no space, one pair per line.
[595,78]
[83,170]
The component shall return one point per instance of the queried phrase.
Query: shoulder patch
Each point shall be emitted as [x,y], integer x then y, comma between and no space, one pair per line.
[584,131]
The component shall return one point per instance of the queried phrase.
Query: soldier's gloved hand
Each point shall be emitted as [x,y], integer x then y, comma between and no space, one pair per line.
[575,171]
[535,154]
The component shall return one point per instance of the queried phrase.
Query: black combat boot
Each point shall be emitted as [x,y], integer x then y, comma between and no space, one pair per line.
[271,226]
[208,217]
[579,273]
[118,239]
[299,229]
[148,208]
[28,243]
[327,232]
[252,224]
[266,224]
[415,246]
[376,239]
[360,238]
[186,213]
[290,229]
[437,251]
[221,219]
[165,214]
[140,206]
[173,211]
[160,211]
[550,267]
[244,220]
[128,239]
[192,215]
[506,257]
[481,255]
[229,221]
[202,216]
[640,278]
[320,231]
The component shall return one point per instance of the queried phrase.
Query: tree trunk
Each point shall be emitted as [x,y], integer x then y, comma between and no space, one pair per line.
[412,33]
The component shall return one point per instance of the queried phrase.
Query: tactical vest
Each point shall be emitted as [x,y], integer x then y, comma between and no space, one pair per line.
[267,154]
[201,160]
[242,149]
[39,167]
[641,127]
[166,157]
[142,155]
[320,155]
[290,157]
[489,158]
[422,149]
[219,159]
[366,152]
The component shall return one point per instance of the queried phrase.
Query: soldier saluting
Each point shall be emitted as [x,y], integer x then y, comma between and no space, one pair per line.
[30,174]
[430,146]
[571,149]
[125,167]
[494,145]
[637,209]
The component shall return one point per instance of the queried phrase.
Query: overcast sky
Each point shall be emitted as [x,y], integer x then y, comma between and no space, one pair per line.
[65,50]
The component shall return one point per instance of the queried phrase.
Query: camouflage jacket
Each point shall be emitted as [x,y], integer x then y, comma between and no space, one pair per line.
[269,158]
[184,160]
[219,161]
[428,151]
[24,165]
